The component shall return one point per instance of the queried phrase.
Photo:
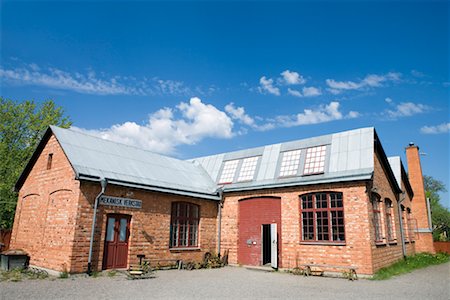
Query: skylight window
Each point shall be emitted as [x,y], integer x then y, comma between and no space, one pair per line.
[315,160]
[248,168]
[290,163]
[228,171]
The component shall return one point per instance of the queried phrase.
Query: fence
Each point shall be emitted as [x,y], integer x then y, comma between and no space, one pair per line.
[442,247]
[5,238]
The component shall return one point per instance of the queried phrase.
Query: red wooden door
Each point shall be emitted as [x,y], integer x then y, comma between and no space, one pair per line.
[116,242]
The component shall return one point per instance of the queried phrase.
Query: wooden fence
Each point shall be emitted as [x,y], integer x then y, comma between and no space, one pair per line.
[442,247]
[5,238]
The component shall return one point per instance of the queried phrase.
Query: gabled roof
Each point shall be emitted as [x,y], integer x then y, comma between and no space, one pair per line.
[349,157]
[93,158]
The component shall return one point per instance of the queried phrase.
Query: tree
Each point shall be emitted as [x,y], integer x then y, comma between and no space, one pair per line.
[22,125]
[440,215]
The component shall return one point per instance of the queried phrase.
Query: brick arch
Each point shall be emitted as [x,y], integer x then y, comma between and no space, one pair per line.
[60,190]
[253,213]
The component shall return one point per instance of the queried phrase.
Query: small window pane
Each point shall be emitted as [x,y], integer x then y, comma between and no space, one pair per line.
[123,230]
[110,229]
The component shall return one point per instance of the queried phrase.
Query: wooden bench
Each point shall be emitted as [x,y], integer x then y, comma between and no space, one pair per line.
[348,272]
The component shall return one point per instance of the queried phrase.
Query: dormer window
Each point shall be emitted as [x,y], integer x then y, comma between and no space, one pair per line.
[228,171]
[290,163]
[248,168]
[315,160]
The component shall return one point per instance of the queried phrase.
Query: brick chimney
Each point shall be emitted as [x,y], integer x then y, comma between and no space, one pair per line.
[420,206]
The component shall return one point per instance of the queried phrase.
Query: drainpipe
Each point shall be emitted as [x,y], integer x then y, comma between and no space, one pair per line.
[219,227]
[400,213]
[103,183]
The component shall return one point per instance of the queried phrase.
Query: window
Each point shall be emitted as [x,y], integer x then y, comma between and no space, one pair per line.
[248,168]
[228,171]
[322,217]
[409,220]
[405,225]
[49,161]
[377,218]
[184,225]
[315,160]
[389,225]
[290,163]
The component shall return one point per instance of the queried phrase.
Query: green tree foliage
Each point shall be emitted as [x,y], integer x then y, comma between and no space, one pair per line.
[440,215]
[22,125]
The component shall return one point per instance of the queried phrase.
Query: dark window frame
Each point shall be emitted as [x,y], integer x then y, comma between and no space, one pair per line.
[322,218]
[390,230]
[376,218]
[182,222]
[49,161]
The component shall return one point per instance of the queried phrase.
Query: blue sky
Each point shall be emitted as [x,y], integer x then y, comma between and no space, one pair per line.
[195,78]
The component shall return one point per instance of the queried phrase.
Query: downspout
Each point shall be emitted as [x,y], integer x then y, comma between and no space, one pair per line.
[219,226]
[430,222]
[400,214]
[103,183]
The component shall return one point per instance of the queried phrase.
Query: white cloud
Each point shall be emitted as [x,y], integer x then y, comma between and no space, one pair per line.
[370,81]
[266,85]
[407,109]
[164,131]
[91,83]
[306,92]
[294,93]
[311,91]
[324,113]
[388,100]
[442,128]
[291,77]
[238,113]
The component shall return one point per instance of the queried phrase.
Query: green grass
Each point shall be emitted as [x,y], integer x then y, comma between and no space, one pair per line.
[16,275]
[411,263]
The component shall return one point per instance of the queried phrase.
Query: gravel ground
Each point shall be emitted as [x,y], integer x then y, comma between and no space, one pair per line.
[235,283]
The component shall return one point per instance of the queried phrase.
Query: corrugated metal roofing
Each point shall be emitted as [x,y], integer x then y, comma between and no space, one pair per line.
[95,157]
[350,156]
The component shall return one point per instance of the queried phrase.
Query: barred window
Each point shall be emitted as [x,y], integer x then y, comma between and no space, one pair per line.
[389,225]
[322,217]
[290,163]
[377,218]
[184,225]
[315,160]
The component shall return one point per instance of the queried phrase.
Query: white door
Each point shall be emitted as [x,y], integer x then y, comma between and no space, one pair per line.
[274,249]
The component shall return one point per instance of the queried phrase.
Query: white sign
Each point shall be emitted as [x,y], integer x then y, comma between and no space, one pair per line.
[117,201]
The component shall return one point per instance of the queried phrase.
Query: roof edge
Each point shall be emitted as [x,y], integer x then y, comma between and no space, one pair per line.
[385,163]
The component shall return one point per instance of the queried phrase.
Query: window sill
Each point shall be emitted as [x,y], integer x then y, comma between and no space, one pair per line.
[185,249]
[323,243]
[393,242]
[380,244]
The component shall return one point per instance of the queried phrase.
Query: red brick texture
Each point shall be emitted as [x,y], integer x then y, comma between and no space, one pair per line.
[424,241]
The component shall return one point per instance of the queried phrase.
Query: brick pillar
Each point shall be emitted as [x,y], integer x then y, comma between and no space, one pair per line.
[424,240]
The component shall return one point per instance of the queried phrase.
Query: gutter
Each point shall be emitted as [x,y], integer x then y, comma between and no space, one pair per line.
[103,183]
[219,226]
[400,213]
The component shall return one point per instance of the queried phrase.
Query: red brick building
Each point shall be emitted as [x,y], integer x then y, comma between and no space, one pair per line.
[334,200]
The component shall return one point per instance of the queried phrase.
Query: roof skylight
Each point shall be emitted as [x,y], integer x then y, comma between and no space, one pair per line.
[228,171]
[248,168]
[290,163]
[315,160]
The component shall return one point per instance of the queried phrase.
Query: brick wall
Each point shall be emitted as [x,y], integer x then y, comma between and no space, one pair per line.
[54,217]
[356,251]
[150,226]
[44,223]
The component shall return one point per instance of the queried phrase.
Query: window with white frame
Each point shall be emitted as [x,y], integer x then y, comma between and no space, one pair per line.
[290,163]
[228,171]
[315,160]
[248,168]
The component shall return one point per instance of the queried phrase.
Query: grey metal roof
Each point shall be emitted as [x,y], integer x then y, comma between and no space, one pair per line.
[94,158]
[350,156]
[396,164]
